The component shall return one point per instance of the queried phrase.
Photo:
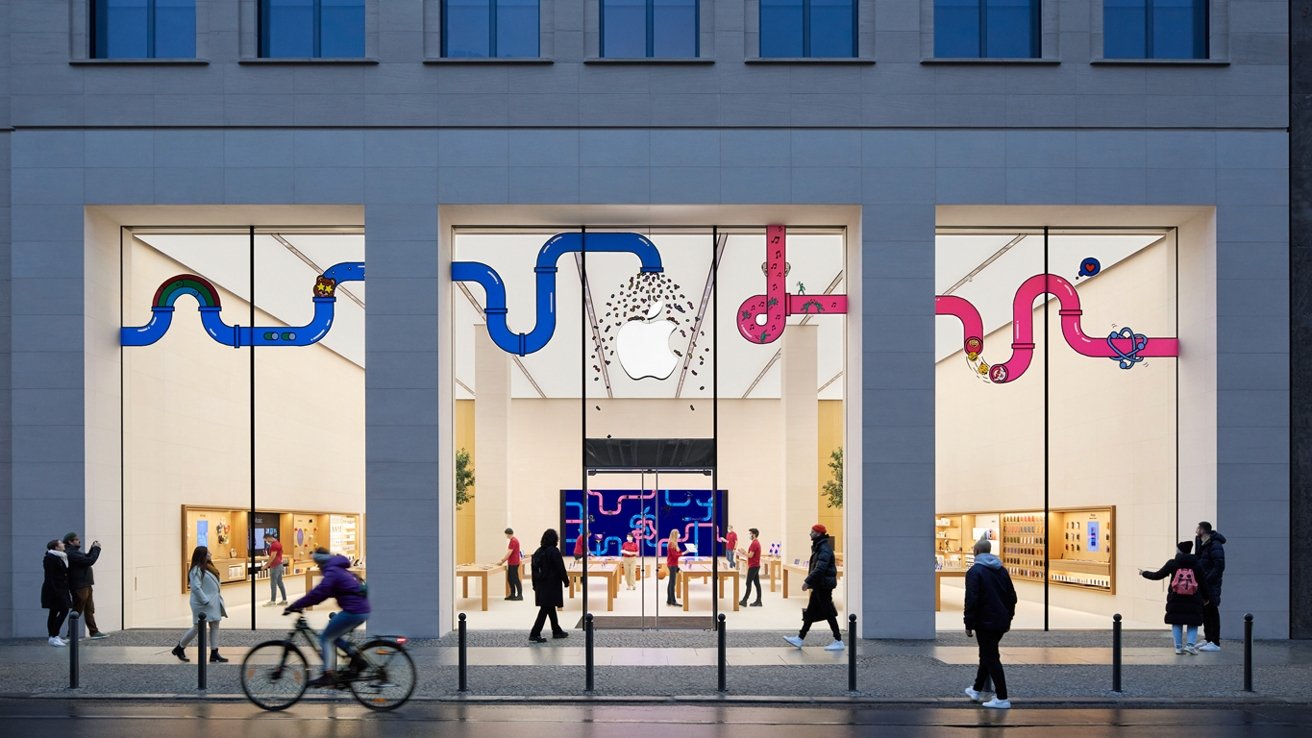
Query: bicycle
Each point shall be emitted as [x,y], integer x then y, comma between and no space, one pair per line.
[379,674]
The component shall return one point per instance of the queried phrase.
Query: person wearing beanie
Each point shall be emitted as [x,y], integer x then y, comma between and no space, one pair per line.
[821,580]
[988,611]
[1186,596]
[81,582]
[352,596]
[55,596]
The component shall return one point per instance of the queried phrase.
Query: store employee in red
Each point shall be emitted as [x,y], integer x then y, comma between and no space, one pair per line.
[511,560]
[730,541]
[275,568]
[753,568]
[672,554]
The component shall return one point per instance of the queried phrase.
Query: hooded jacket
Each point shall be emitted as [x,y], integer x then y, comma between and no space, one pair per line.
[1211,556]
[823,573]
[990,596]
[337,582]
[79,566]
[1183,609]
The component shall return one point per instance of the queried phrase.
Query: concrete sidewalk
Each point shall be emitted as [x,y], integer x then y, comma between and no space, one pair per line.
[1042,668]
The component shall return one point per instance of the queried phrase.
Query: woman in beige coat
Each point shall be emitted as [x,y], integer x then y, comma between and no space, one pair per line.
[206,599]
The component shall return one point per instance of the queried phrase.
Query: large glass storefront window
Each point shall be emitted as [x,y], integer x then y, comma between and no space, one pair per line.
[1056,394]
[243,419]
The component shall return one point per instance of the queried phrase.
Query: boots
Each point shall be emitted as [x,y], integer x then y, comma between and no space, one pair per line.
[215,658]
[180,652]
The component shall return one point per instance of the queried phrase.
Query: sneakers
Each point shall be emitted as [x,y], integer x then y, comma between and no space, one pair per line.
[793,641]
[835,646]
[283,602]
[997,704]
[1191,650]
[270,603]
[56,641]
[974,695]
[1209,646]
[1179,651]
[97,636]
[181,653]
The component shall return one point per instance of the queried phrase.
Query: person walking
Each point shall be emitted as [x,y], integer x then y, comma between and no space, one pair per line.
[730,541]
[275,569]
[55,596]
[206,599]
[629,556]
[1186,596]
[989,608]
[512,561]
[821,579]
[753,555]
[672,554]
[547,569]
[1210,547]
[81,581]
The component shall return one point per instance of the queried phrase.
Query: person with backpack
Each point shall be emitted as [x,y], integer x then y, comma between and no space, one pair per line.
[352,596]
[1186,596]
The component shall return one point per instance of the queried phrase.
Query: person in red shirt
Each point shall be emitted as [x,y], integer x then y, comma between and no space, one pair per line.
[672,554]
[753,568]
[629,552]
[275,569]
[512,560]
[578,545]
[730,541]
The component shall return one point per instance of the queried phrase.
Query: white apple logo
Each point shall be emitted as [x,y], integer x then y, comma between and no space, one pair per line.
[643,346]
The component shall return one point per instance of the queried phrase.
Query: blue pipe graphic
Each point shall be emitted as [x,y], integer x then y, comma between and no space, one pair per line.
[325,301]
[557,246]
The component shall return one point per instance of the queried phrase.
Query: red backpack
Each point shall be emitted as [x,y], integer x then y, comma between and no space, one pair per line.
[1184,583]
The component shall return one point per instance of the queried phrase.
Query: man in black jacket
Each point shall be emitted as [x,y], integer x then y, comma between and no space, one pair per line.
[821,579]
[80,581]
[990,606]
[1210,548]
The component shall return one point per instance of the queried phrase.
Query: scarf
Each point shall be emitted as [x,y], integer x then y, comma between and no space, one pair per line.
[62,556]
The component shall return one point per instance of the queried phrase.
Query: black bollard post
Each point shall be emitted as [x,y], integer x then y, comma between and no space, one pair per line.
[1116,652]
[851,652]
[587,647]
[722,653]
[462,656]
[1248,652]
[202,659]
[74,635]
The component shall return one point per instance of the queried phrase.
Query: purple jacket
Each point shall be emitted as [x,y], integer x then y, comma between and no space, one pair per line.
[337,582]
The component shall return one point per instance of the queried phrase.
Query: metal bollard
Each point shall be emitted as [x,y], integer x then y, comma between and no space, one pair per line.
[1116,652]
[74,635]
[1248,652]
[462,656]
[587,647]
[851,652]
[202,660]
[721,657]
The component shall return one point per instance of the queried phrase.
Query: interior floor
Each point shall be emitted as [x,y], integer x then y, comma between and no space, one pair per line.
[1029,615]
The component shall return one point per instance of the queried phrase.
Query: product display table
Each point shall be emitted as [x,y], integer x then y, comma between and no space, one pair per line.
[801,570]
[316,573]
[702,571]
[595,570]
[770,566]
[640,569]
[477,571]
[939,576]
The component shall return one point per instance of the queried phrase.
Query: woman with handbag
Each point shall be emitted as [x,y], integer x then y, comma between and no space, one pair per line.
[205,599]
[672,554]
[549,579]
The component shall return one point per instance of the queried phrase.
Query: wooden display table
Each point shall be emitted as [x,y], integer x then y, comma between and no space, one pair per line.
[939,576]
[801,570]
[476,571]
[770,568]
[703,572]
[599,571]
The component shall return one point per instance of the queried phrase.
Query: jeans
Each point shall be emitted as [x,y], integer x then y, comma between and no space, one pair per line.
[56,621]
[1212,623]
[1192,636]
[753,577]
[728,556]
[990,662]
[672,588]
[341,624]
[186,638]
[275,583]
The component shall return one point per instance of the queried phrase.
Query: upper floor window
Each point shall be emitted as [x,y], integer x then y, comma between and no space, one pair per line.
[662,29]
[490,29]
[311,29]
[986,29]
[1155,29]
[143,29]
[808,28]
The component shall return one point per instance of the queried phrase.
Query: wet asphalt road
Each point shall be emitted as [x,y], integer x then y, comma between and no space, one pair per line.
[115,719]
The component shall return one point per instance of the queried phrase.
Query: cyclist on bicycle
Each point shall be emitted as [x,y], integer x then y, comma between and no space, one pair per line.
[351,596]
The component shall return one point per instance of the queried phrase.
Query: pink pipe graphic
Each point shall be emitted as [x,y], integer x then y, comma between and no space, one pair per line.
[777,303]
[1124,346]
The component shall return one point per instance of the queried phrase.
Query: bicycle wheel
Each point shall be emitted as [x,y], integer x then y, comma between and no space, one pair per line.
[388,677]
[274,675]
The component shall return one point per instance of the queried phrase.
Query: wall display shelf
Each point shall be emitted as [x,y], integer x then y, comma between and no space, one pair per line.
[1081,551]
[228,534]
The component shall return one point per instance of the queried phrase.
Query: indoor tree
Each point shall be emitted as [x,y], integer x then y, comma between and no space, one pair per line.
[834,487]
[465,479]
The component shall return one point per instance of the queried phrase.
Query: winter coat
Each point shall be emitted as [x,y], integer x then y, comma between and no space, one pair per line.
[54,590]
[990,596]
[549,576]
[1211,556]
[340,583]
[822,573]
[205,595]
[1183,609]
[79,566]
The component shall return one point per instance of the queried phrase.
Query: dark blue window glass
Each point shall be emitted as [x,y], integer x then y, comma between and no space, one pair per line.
[1155,29]
[993,29]
[808,28]
[310,29]
[143,29]
[482,29]
[636,29]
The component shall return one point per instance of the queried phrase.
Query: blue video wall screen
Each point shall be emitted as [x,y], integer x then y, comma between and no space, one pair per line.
[698,515]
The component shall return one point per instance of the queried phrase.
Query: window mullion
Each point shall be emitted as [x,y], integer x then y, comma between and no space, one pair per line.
[492,28]
[317,20]
[806,28]
[983,29]
[651,28]
[150,29]
[1148,11]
